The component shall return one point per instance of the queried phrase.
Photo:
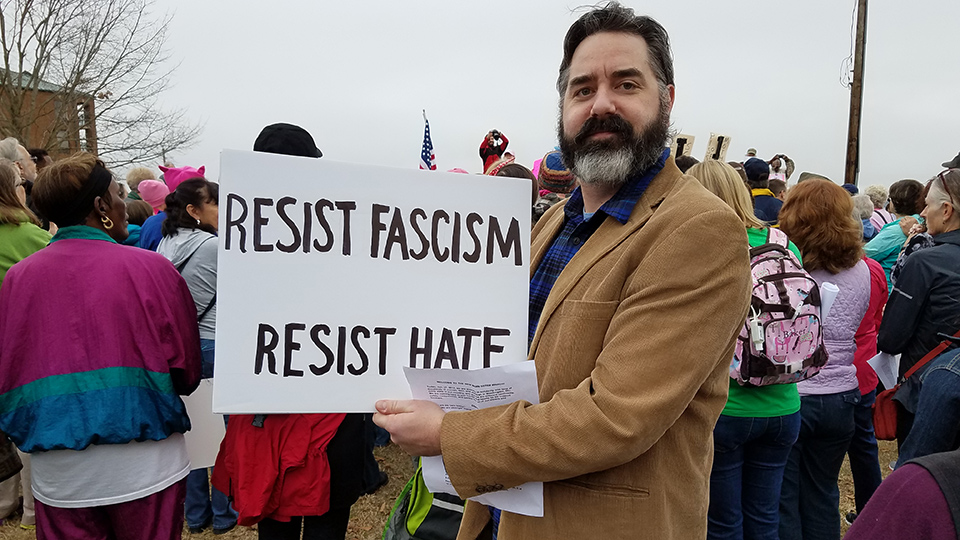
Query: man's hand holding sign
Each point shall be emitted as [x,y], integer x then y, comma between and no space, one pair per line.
[414,424]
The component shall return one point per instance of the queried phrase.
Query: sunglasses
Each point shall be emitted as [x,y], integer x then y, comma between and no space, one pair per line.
[946,186]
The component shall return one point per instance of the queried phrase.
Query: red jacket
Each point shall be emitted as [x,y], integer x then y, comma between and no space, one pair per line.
[866,336]
[279,470]
[490,154]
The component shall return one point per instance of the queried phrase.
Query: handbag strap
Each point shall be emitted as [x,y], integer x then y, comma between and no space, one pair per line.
[213,302]
[183,264]
[930,356]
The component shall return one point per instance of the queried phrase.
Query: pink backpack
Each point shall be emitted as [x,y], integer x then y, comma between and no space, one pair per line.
[781,342]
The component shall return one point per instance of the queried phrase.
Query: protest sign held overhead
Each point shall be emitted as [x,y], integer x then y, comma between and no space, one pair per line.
[682,145]
[333,277]
[717,147]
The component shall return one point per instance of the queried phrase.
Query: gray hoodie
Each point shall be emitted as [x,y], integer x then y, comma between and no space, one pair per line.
[200,273]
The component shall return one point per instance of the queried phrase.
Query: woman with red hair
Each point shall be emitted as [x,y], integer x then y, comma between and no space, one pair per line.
[818,216]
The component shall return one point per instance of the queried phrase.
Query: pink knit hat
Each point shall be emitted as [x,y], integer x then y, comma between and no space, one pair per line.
[153,192]
[174,175]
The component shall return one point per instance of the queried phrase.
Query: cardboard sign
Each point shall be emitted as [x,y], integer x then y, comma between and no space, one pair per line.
[717,147]
[682,145]
[332,277]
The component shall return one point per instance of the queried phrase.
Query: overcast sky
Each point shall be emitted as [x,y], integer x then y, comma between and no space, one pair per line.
[766,73]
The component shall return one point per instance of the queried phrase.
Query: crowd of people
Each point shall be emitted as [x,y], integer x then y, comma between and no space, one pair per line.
[695,380]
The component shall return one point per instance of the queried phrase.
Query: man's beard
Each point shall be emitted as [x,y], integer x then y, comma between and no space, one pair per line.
[611,162]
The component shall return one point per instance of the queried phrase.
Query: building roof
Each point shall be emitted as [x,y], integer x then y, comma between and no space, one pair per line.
[25,80]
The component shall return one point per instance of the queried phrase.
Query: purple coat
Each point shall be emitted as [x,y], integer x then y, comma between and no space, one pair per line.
[109,343]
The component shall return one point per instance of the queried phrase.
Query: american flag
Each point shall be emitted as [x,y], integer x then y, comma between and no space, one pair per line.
[427,157]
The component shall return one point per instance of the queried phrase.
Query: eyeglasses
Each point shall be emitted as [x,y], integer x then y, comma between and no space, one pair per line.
[946,186]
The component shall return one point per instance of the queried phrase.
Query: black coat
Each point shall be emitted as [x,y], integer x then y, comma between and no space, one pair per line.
[924,302]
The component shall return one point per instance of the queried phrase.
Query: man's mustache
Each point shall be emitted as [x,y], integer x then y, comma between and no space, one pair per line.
[610,124]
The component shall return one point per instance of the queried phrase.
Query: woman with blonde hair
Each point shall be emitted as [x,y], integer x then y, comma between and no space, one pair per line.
[759,424]
[20,232]
[20,237]
[818,216]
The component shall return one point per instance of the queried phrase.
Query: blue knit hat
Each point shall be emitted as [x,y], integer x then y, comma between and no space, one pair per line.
[554,175]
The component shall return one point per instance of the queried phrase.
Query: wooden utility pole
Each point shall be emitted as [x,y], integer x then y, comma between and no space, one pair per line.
[856,97]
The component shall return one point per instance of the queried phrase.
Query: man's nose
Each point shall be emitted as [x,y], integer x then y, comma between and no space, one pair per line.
[603,103]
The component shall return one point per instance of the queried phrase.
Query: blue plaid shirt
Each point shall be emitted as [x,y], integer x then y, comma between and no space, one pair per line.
[576,231]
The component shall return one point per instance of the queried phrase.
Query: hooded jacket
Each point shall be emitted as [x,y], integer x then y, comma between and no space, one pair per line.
[200,271]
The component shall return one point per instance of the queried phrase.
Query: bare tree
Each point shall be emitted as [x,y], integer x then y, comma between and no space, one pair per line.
[88,75]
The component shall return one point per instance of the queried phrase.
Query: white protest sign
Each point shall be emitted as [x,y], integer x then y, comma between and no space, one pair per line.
[332,277]
[206,427]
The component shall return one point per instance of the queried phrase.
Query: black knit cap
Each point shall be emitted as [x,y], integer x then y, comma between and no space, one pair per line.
[286,139]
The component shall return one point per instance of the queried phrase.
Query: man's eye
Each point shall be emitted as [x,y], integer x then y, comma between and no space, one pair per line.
[582,92]
[628,86]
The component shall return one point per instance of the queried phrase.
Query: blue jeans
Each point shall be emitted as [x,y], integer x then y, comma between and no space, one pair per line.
[201,505]
[936,423]
[810,498]
[863,452]
[748,461]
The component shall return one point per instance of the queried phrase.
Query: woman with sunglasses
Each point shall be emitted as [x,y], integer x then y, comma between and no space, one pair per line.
[923,305]
[91,375]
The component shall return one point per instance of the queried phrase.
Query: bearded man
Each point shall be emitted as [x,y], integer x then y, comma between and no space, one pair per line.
[639,285]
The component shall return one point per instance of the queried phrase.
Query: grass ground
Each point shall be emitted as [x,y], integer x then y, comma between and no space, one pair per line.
[370,513]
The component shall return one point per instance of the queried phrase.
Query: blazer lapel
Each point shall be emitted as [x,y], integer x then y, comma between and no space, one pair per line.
[610,234]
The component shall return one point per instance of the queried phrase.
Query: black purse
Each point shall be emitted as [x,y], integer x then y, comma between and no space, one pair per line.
[10,463]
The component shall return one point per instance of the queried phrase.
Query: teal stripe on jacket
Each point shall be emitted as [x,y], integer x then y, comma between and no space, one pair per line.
[106,406]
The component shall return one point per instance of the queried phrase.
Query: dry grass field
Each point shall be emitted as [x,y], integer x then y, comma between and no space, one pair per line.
[370,513]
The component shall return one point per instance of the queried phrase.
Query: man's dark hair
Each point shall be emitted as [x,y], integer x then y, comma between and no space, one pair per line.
[907,197]
[685,162]
[515,170]
[196,191]
[777,186]
[614,17]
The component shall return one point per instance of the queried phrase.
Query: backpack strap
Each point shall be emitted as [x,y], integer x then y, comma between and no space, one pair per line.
[776,236]
[877,213]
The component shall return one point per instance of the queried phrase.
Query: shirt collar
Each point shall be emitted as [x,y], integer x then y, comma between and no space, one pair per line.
[81,232]
[621,205]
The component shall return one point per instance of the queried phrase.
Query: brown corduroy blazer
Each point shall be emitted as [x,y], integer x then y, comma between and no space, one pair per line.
[632,351]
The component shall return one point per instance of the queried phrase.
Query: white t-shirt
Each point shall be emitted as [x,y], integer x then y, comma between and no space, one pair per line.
[104,474]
